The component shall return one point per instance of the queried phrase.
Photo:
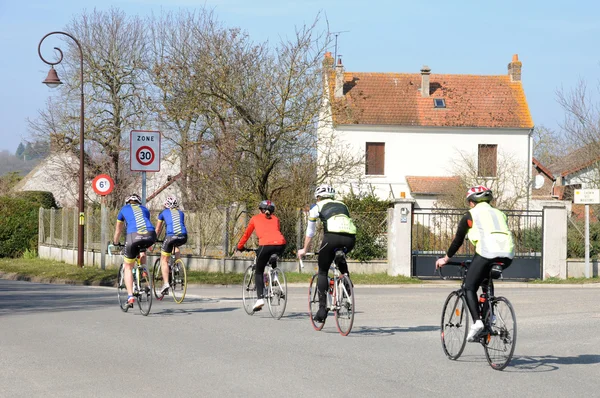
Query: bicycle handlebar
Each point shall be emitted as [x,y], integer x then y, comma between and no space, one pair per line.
[300,259]
[464,265]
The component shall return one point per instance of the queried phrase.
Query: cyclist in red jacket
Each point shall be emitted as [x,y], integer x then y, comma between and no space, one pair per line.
[270,241]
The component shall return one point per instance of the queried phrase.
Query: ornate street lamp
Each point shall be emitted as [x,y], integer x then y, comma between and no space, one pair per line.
[52,81]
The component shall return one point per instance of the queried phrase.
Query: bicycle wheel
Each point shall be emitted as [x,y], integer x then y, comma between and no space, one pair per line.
[144,296]
[178,281]
[313,303]
[455,325]
[500,343]
[157,279]
[249,296]
[277,293]
[122,290]
[344,309]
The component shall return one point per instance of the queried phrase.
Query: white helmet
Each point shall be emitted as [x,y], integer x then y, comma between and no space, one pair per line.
[133,198]
[171,202]
[324,191]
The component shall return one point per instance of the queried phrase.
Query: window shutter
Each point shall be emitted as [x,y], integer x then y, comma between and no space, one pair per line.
[375,159]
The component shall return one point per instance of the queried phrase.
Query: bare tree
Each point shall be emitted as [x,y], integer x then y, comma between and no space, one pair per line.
[581,129]
[509,184]
[548,146]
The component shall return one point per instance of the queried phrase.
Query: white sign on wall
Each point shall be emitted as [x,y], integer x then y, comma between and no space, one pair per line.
[587,196]
[144,150]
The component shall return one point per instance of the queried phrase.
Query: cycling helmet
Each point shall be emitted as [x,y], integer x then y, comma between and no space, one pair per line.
[267,205]
[133,198]
[324,191]
[479,194]
[171,202]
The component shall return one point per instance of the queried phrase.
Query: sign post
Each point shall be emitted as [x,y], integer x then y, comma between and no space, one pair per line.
[103,185]
[144,154]
[587,197]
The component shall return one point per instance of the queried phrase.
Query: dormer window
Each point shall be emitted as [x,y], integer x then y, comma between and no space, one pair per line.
[439,103]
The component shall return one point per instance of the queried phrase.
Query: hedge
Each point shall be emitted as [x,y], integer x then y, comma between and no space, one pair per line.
[19,227]
[40,198]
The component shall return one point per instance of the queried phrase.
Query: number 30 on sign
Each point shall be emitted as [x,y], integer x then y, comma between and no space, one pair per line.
[103,184]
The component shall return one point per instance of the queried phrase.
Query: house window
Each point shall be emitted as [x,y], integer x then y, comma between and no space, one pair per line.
[375,158]
[439,103]
[487,160]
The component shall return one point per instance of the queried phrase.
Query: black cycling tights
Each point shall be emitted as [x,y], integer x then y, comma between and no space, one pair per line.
[479,270]
[329,245]
[262,257]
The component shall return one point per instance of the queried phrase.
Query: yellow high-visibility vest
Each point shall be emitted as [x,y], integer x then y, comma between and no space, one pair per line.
[490,233]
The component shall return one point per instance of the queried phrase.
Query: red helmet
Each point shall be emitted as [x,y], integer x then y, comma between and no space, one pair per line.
[479,194]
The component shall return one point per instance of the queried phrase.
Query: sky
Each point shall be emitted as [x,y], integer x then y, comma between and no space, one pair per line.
[557,42]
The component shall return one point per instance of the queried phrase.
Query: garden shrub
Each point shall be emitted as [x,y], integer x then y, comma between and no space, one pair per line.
[19,227]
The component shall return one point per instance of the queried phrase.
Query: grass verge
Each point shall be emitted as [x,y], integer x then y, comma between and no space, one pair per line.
[38,270]
[566,281]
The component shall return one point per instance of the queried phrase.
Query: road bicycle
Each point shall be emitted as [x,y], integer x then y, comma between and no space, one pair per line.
[340,297]
[275,290]
[499,335]
[142,284]
[177,278]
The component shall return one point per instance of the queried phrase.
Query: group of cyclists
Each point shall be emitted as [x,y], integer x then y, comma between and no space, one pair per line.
[141,234]
[485,226]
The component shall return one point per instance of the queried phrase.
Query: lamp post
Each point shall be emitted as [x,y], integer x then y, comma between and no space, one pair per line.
[52,81]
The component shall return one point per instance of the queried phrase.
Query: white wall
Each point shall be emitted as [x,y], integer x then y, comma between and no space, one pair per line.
[428,151]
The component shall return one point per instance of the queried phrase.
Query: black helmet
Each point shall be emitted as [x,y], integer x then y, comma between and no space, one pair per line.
[267,205]
[479,194]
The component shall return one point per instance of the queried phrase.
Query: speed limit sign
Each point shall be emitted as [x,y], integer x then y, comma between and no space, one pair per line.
[103,184]
[145,150]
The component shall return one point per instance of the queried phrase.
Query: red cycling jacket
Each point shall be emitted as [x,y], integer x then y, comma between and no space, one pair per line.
[267,230]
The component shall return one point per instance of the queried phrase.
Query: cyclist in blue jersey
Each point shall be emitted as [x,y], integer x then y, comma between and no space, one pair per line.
[140,236]
[176,235]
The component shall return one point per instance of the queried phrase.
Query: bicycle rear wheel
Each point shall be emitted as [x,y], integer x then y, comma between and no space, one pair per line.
[144,296]
[500,343]
[158,280]
[344,312]
[454,328]
[249,296]
[277,293]
[121,289]
[178,281]
[313,303]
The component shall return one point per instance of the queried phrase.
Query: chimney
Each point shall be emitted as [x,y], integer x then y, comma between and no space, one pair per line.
[339,80]
[425,72]
[328,61]
[514,69]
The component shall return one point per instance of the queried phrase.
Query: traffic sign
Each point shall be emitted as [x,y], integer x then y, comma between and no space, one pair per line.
[144,150]
[587,196]
[103,184]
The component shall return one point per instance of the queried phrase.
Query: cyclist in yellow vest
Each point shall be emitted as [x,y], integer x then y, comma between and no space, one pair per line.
[339,234]
[486,227]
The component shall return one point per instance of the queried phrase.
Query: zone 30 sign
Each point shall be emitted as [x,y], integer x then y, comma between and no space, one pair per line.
[145,150]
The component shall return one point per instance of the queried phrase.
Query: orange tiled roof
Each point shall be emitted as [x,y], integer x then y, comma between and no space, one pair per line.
[431,185]
[395,99]
[543,169]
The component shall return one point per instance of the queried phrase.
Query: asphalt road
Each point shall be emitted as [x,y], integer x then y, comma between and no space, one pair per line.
[74,341]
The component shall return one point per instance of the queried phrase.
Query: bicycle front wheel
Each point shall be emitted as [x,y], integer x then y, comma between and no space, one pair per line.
[249,296]
[313,302]
[500,343]
[277,293]
[145,293]
[344,311]
[121,289]
[178,281]
[157,279]
[454,328]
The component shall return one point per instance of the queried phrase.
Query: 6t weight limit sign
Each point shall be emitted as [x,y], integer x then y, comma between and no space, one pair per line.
[145,150]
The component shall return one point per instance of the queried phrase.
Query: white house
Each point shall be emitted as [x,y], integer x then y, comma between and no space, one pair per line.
[413,129]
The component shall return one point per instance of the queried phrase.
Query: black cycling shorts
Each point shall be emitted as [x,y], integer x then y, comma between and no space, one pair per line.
[171,242]
[135,243]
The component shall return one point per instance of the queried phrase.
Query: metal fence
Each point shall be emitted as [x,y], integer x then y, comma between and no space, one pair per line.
[212,233]
[434,229]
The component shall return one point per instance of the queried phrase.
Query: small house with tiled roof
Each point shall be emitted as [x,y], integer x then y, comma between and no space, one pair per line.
[412,129]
